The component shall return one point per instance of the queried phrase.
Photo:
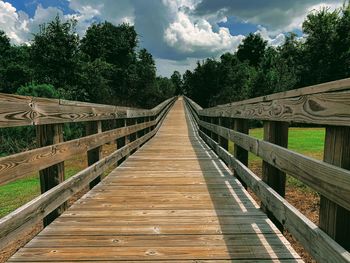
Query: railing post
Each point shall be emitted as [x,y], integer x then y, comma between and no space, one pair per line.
[276,133]
[334,219]
[223,142]
[52,176]
[242,126]
[120,143]
[94,155]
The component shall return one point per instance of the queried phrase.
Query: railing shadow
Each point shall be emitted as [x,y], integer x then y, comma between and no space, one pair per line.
[244,227]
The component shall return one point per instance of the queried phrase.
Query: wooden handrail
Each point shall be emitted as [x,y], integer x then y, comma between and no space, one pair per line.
[18,110]
[16,166]
[327,104]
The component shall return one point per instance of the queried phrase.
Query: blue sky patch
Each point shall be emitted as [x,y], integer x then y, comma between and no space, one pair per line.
[238,27]
[30,6]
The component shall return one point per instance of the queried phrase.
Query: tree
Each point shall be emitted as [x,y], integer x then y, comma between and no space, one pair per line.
[176,78]
[252,49]
[114,44]
[54,55]
[14,65]
[341,63]
[319,52]
[4,43]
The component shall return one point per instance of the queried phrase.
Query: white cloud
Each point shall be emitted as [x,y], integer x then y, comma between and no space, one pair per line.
[15,24]
[271,40]
[193,36]
[166,67]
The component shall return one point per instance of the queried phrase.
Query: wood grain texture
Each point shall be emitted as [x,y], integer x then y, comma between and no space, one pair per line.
[276,133]
[54,175]
[16,166]
[320,246]
[164,203]
[334,219]
[331,181]
[18,110]
[94,155]
[23,218]
[326,103]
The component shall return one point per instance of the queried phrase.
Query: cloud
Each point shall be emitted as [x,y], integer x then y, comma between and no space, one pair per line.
[176,32]
[198,36]
[166,67]
[15,24]
[277,15]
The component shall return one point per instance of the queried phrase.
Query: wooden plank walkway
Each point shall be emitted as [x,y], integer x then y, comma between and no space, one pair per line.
[172,201]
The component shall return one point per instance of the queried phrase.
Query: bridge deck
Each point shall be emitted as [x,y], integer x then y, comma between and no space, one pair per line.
[172,201]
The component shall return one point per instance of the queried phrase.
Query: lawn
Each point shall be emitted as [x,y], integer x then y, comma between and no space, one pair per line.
[16,194]
[308,141]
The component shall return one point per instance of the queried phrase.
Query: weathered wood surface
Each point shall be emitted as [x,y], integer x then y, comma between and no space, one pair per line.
[17,166]
[23,218]
[321,247]
[52,176]
[334,219]
[331,181]
[18,110]
[322,104]
[172,201]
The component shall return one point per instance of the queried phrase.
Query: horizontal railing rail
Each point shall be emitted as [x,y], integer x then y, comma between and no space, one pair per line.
[136,128]
[16,110]
[329,241]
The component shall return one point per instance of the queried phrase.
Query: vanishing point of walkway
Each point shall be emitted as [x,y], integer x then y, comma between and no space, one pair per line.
[171,201]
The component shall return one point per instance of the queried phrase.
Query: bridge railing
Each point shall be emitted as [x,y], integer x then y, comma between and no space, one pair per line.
[327,105]
[132,128]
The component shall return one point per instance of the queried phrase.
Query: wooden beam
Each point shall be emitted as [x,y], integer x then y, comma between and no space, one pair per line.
[23,218]
[18,110]
[54,175]
[95,154]
[17,166]
[223,142]
[320,246]
[240,153]
[335,219]
[331,181]
[276,133]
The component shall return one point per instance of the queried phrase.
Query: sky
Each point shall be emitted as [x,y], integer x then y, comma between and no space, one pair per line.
[178,33]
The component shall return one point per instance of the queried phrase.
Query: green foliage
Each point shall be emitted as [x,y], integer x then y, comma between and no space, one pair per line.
[54,56]
[41,90]
[176,78]
[252,49]
[257,69]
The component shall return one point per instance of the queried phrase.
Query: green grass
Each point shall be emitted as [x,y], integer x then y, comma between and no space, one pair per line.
[307,141]
[17,193]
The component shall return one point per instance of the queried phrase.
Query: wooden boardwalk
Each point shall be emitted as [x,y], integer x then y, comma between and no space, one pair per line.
[171,201]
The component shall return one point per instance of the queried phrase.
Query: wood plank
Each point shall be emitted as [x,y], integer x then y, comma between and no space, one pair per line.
[313,239]
[18,110]
[321,104]
[181,204]
[331,181]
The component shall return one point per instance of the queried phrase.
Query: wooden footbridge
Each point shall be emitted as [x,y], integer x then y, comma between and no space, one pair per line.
[177,194]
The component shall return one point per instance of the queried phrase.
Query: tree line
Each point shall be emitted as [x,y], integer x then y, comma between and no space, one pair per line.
[257,69]
[104,66]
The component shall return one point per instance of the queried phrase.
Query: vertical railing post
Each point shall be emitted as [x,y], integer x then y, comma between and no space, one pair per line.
[94,155]
[334,219]
[223,142]
[120,143]
[276,133]
[52,176]
[242,126]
